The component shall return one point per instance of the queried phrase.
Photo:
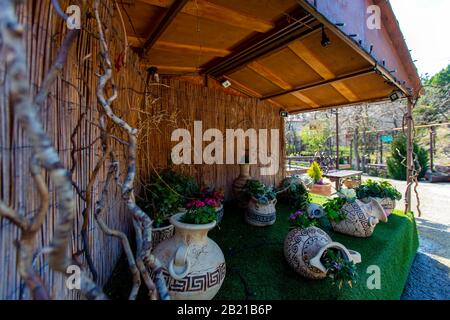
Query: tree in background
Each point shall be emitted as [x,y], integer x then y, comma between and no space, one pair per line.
[397,162]
[434,106]
[315,136]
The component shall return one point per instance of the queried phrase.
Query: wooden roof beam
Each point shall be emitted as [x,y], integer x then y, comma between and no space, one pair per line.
[163,68]
[264,45]
[217,13]
[272,77]
[318,84]
[180,47]
[170,14]
[311,59]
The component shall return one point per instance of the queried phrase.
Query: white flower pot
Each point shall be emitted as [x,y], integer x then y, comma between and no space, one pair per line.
[194,265]
[303,249]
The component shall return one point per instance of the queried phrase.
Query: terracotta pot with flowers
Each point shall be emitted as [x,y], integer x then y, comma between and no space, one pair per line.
[193,263]
[312,254]
[320,186]
[214,198]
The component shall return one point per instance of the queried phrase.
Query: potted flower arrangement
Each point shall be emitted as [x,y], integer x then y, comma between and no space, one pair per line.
[351,216]
[320,186]
[339,266]
[261,209]
[311,252]
[164,196]
[190,255]
[294,192]
[214,198]
[383,192]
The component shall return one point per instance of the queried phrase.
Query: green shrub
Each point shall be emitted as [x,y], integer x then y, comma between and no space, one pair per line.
[397,162]
[315,172]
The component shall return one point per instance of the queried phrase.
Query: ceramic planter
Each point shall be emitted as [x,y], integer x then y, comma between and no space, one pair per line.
[193,264]
[303,249]
[219,212]
[161,234]
[322,189]
[239,184]
[261,215]
[361,218]
[387,203]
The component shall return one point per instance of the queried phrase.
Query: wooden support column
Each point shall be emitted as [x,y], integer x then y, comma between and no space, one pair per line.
[432,134]
[337,139]
[409,155]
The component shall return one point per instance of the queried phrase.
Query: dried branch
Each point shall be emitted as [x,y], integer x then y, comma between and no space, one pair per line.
[11,34]
[142,221]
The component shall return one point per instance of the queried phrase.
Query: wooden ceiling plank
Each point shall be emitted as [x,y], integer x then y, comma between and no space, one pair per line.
[217,13]
[169,16]
[305,99]
[163,68]
[180,47]
[352,75]
[304,53]
[243,88]
[269,75]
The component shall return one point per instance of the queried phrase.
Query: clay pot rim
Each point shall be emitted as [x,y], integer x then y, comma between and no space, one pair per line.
[274,201]
[175,220]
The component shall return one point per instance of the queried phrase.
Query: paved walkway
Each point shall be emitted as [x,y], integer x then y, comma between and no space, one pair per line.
[430,273]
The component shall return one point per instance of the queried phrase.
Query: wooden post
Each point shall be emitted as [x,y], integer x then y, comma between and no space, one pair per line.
[337,139]
[409,155]
[381,149]
[432,132]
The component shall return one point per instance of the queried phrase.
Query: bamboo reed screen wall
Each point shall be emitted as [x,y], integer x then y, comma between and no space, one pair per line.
[179,104]
[174,104]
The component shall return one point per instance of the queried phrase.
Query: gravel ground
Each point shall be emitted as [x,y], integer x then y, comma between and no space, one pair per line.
[430,274]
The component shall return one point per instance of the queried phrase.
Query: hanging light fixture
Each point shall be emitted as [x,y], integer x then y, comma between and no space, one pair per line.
[325,40]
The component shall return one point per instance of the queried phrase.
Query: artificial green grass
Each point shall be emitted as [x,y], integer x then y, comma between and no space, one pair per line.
[257,269]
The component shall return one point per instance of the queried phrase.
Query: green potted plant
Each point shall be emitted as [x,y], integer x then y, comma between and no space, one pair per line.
[351,216]
[262,199]
[164,196]
[339,266]
[383,192]
[191,255]
[294,192]
[320,186]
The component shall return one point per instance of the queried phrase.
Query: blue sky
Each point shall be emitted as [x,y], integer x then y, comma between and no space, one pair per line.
[426,27]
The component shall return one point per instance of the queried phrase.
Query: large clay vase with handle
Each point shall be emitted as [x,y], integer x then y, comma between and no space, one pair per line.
[387,203]
[193,264]
[239,184]
[361,219]
[304,248]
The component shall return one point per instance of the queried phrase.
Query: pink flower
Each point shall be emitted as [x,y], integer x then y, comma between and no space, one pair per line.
[212,202]
[199,203]
[190,204]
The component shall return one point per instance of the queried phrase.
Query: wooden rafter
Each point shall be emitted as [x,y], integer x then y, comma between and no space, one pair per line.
[269,75]
[170,14]
[243,88]
[276,80]
[217,13]
[163,68]
[180,47]
[311,59]
[352,75]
